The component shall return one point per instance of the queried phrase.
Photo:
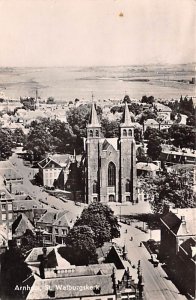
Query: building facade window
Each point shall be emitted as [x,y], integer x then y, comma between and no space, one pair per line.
[111,198]
[3,207]
[91,133]
[124,132]
[127,187]
[111,174]
[95,187]
[130,132]
[97,132]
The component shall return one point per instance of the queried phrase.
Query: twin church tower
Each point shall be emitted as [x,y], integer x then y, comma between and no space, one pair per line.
[110,166]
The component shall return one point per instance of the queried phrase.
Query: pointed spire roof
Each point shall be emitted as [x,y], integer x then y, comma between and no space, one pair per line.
[93,122]
[126,120]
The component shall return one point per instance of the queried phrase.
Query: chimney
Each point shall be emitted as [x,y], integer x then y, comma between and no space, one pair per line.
[43,263]
[183,220]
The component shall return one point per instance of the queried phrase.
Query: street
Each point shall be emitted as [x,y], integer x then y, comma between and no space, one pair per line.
[157,285]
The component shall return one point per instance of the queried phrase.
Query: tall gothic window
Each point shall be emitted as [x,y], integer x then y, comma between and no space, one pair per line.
[127,188]
[111,174]
[94,187]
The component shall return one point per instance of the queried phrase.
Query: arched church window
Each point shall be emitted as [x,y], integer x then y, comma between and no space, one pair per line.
[127,187]
[124,132]
[97,132]
[91,133]
[130,132]
[94,187]
[111,174]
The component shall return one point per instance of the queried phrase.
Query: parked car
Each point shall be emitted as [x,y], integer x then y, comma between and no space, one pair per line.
[154,259]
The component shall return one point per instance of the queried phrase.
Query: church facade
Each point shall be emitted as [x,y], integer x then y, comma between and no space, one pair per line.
[110,166]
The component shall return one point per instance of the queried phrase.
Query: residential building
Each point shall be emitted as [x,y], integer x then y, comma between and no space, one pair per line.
[110,163]
[163,111]
[151,123]
[55,226]
[6,211]
[54,170]
[147,169]
[9,174]
[177,226]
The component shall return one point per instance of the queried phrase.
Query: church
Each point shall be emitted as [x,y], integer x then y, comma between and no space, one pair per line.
[110,163]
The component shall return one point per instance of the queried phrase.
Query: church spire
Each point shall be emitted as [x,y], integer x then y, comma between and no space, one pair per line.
[93,122]
[126,120]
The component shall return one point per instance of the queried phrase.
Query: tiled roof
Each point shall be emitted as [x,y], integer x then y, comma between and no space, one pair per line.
[21,224]
[151,122]
[25,204]
[39,289]
[60,159]
[35,252]
[60,218]
[147,166]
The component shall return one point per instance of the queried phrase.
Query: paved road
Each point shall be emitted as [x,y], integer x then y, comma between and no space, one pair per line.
[37,192]
[157,285]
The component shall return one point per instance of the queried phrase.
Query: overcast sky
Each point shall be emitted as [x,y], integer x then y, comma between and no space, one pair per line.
[91,32]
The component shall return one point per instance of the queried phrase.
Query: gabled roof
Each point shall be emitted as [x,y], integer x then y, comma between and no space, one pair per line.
[60,218]
[106,142]
[21,224]
[59,160]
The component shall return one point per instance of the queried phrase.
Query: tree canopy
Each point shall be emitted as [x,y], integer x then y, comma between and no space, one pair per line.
[13,271]
[49,136]
[174,187]
[80,246]
[183,136]
[100,218]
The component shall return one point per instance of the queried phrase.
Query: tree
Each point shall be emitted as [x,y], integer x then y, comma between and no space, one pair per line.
[50,100]
[29,241]
[6,143]
[126,99]
[49,136]
[13,271]
[100,218]
[110,128]
[148,100]
[174,187]
[80,246]
[147,114]
[182,135]
[154,147]
[19,136]
[140,154]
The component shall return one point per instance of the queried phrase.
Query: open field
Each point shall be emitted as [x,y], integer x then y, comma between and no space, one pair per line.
[68,83]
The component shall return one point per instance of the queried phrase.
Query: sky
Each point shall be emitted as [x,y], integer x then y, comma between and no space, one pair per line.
[96,32]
